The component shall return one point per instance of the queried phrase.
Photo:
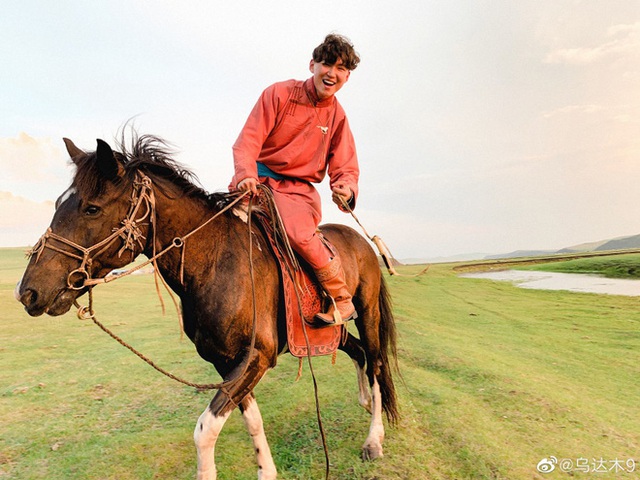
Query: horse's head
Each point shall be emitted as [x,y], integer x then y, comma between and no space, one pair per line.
[101,223]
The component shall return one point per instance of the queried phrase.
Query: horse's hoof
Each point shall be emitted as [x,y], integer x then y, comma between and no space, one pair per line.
[371,452]
[264,475]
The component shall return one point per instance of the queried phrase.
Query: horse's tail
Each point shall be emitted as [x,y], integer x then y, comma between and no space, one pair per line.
[388,354]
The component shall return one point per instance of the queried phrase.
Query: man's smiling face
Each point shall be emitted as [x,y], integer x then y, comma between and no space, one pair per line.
[328,79]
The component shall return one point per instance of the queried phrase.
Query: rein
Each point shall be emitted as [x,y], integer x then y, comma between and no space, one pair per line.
[87,312]
[141,197]
[129,232]
[143,208]
[381,246]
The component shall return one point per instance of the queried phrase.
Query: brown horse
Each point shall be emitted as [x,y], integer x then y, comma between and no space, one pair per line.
[136,202]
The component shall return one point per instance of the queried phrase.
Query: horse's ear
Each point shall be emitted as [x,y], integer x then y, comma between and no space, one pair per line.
[72,150]
[108,164]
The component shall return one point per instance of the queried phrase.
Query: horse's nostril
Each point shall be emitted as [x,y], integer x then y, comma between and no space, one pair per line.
[29,297]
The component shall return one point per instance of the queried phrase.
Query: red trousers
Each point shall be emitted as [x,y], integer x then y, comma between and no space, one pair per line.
[301,210]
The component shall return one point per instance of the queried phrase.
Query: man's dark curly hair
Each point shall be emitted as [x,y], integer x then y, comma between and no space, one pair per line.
[336,47]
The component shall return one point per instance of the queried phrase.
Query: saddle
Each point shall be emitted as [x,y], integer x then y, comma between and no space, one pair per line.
[302,294]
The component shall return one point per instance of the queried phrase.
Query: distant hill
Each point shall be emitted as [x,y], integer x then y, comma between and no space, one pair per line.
[599,245]
[520,253]
[465,257]
[583,247]
[619,243]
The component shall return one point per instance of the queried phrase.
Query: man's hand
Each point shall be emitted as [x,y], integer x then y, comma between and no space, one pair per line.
[248,184]
[341,193]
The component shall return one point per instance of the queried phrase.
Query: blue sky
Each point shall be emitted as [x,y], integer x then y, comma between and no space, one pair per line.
[481,126]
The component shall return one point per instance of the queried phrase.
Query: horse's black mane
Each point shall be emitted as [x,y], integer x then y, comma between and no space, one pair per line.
[152,155]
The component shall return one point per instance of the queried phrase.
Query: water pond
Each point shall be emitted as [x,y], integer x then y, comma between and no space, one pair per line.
[563,281]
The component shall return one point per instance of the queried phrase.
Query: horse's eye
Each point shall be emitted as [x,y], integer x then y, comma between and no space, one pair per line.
[91,210]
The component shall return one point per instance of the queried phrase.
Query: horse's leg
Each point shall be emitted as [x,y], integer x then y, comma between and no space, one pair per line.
[353,348]
[205,436]
[372,447]
[253,420]
[214,417]
[376,332]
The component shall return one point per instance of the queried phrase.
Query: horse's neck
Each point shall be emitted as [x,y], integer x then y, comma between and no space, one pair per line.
[198,239]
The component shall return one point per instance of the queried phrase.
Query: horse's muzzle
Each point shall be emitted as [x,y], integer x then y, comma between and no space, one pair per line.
[29,298]
[16,291]
[36,303]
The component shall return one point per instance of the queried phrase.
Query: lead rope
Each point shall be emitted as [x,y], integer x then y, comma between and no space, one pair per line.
[382,247]
[87,312]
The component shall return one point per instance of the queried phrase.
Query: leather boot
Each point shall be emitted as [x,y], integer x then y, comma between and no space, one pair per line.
[332,279]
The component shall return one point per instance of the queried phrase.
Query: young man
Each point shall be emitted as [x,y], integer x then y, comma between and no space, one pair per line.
[296,134]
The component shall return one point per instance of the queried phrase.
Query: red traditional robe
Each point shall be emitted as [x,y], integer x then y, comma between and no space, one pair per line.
[299,139]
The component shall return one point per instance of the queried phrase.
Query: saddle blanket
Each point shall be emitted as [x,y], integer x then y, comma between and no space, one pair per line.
[303,338]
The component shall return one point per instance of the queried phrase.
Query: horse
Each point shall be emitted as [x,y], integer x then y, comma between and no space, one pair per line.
[137,199]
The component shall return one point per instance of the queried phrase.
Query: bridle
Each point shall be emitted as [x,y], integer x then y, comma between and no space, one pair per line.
[141,214]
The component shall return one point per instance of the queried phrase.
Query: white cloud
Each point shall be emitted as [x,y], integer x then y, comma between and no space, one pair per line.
[27,158]
[33,167]
[23,221]
[631,29]
[622,41]
[571,109]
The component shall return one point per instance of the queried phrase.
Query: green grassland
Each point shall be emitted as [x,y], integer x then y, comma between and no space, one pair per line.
[495,378]
[625,266]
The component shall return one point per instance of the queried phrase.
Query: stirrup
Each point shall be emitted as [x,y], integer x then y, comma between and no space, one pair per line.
[321,321]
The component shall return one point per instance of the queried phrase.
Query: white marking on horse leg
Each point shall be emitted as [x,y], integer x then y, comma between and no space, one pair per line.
[372,447]
[205,436]
[364,397]
[255,426]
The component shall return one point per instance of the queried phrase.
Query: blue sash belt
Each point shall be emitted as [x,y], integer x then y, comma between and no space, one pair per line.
[264,171]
